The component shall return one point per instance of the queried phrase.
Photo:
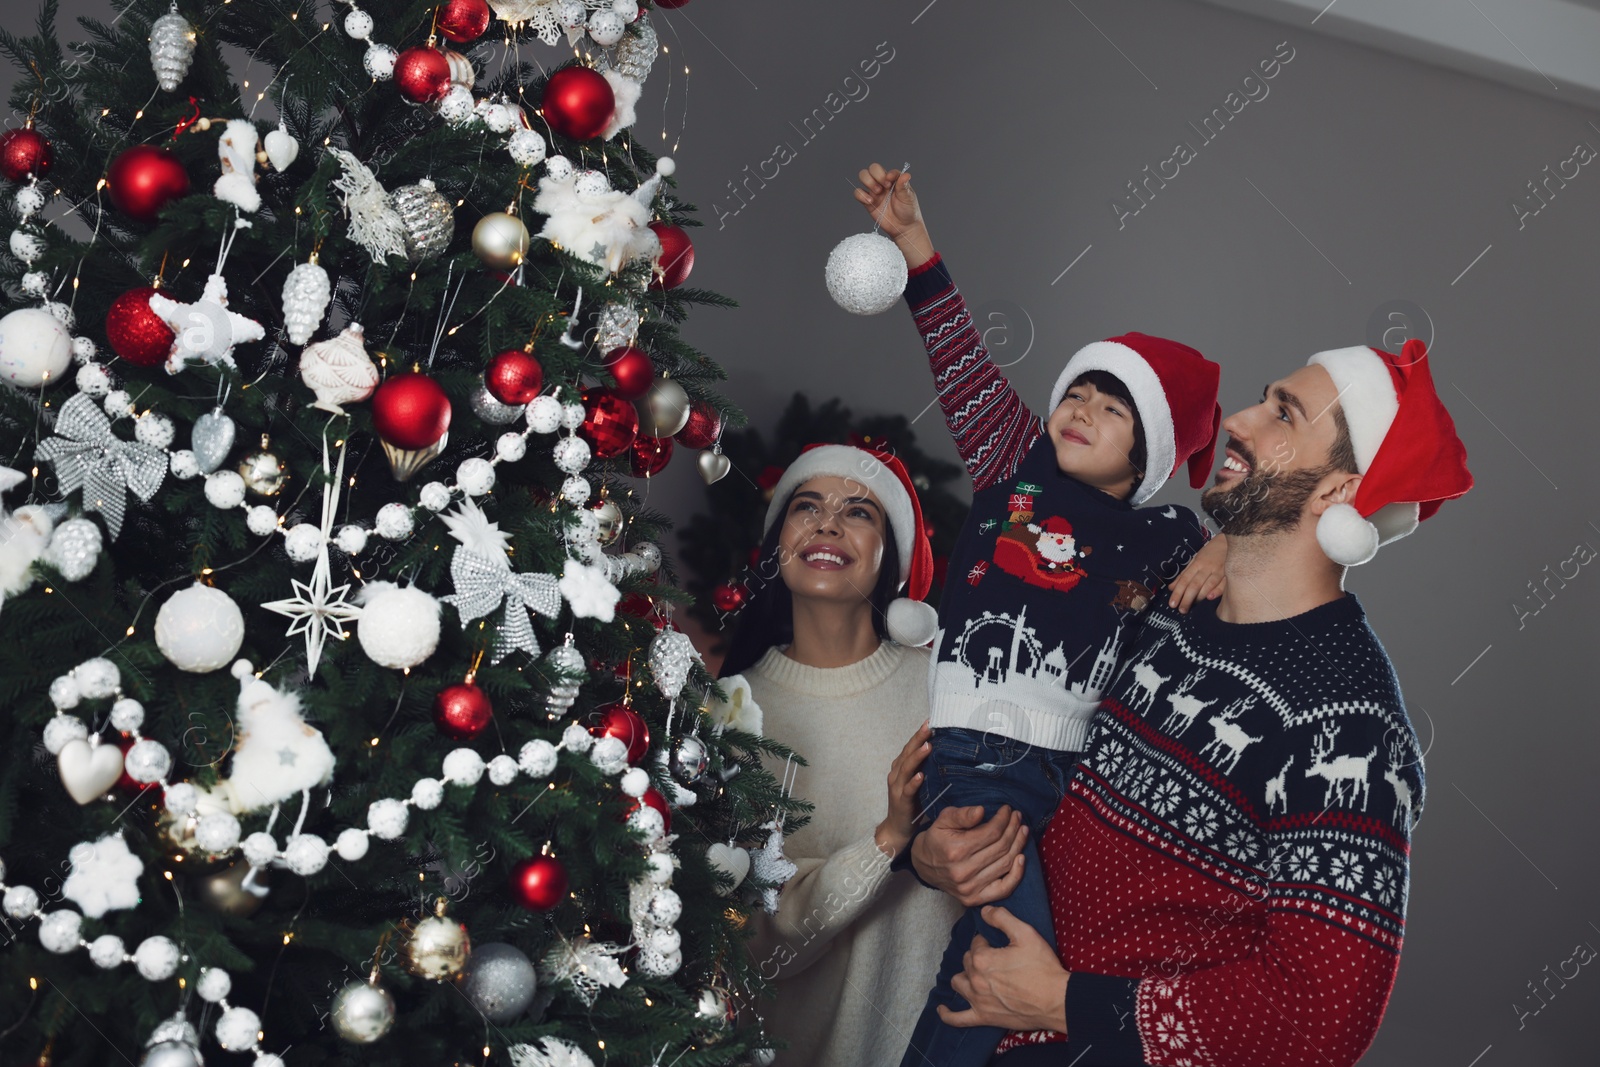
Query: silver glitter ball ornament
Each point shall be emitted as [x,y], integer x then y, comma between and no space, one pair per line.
[616,326]
[866,274]
[362,1012]
[428,218]
[500,981]
[171,49]
[487,408]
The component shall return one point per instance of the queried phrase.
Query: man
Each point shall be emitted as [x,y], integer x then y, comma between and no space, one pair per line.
[1228,872]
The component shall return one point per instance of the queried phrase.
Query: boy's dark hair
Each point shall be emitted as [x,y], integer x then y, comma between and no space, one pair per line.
[1106,382]
[767,621]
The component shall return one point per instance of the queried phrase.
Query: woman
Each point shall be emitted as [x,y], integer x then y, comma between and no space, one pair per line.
[853,947]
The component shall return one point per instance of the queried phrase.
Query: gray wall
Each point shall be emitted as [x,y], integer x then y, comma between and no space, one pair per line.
[1361,179]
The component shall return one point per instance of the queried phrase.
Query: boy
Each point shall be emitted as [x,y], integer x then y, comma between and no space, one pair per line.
[1054,564]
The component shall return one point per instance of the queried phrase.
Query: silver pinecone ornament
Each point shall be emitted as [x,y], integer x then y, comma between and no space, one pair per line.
[171,48]
[636,52]
[427,217]
[306,293]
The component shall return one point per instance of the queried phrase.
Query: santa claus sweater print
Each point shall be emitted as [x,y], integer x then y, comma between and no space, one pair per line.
[1049,573]
[1228,872]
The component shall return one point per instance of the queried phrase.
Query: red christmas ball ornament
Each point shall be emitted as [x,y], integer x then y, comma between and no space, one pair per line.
[462,711]
[677,256]
[422,74]
[650,455]
[25,153]
[610,424]
[639,605]
[410,410]
[632,369]
[703,428]
[136,333]
[577,102]
[539,883]
[144,179]
[462,20]
[622,722]
[730,597]
[514,377]
[652,797]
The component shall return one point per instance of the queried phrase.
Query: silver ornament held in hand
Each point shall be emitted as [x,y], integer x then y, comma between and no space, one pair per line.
[664,409]
[500,981]
[427,217]
[171,48]
[362,1012]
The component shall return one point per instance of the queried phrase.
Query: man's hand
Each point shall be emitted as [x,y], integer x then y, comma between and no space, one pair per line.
[1019,986]
[976,862]
[889,199]
[1202,579]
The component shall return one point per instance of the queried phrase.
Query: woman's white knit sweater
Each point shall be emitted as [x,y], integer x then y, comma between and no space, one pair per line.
[853,949]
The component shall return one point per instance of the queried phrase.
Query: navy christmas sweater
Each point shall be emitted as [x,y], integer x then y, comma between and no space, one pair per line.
[1049,574]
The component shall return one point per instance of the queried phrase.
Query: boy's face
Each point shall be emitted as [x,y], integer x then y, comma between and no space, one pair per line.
[1093,435]
[831,545]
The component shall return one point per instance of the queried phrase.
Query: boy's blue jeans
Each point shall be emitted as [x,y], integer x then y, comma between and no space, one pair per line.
[966,768]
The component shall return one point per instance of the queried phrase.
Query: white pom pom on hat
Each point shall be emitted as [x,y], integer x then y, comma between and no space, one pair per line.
[1405,445]
[910,621]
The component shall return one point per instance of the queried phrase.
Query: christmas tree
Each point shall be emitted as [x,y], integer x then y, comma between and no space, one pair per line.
[720,549]
[343,715]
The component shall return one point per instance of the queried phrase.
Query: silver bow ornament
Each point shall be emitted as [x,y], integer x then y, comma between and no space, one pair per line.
[88,456]
[483,583]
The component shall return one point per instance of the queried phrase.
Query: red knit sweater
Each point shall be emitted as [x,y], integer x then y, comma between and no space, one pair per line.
[1228,871]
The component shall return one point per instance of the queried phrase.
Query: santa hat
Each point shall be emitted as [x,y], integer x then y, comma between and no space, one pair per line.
[911,622]
[1175,389]
[1406,448]
[1055,524]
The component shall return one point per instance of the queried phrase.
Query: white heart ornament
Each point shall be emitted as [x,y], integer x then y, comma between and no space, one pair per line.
[281,149]
[734,862]
[88,771]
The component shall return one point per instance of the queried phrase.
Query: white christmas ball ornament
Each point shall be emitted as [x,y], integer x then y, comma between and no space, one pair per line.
[225,489]
[665,905]
[559,168]
[118,403]
[636,782]
[215,832]
[157,958]
[647,821]
[35,283]
[399,626]
[544,414]
[475,476]
[511,447]
[214,985]
[666,166]
[260,849]
[34,348]
[500,118]
[606,27]
[63,313]
[107,951]
[462,766]
[576,490]
[609,755]
[306,854]
[352,844]
[62,729]
[20,902]
[261,520]
[571,454]
[666,940]
[127,715]
[379,61]
[660,867]
[351,539]
[303,543]
[427,793]
[569,13]
[435,496]
[394,522]
[572,415]
[866,274]
[199,629]
[358,25]
[387,818]
[83,349]
[97,678]
[154,429]
[184,465]
[537,758]
[237,1029]
[183,798]
[502,770]
[527,148]
[628,9]
[65,693]
[26,246]
[591,183]
[58,931]
[457,106]
[147,761]
[94,379]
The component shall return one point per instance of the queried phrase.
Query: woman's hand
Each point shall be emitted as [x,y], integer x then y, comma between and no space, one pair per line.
[1019,986]
[890,201]
[976,862]
[905,778]
[1202,579]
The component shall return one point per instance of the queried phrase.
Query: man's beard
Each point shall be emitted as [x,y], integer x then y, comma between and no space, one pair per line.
[1261,502]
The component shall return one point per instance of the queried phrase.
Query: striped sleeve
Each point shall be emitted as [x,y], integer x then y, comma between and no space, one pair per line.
[992,428]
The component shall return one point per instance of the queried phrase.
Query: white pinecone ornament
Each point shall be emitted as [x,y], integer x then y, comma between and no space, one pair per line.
[171,48]
[306,293]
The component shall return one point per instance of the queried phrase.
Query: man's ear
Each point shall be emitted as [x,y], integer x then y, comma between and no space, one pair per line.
[1337,488]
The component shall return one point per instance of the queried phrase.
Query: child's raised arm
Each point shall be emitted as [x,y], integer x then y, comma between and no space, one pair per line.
[990,424]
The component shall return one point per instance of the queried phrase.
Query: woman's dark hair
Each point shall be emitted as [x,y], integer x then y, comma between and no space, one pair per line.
[1106,382]
[768,617]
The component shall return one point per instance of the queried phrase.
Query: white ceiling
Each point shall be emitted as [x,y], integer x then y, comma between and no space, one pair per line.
[1544,46]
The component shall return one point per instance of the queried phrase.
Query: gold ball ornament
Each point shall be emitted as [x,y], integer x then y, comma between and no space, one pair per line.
[500,240]
[664,409]
[438,947]
[264,473]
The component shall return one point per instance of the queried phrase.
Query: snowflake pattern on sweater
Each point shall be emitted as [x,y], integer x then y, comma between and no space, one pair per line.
[1228,873]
